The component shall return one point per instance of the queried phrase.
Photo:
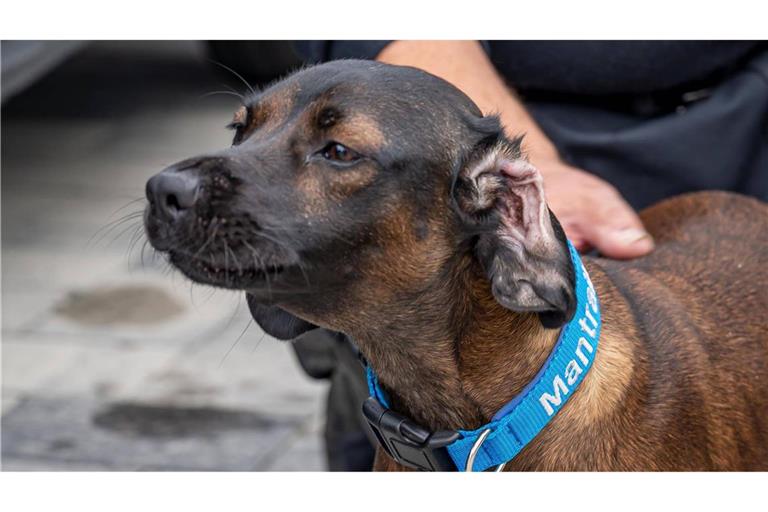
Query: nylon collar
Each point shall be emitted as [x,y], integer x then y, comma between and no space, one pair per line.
[519,421]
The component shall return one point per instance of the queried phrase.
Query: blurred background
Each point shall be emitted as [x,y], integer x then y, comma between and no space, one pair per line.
[109,360]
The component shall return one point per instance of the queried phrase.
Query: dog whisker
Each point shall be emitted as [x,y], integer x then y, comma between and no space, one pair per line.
[266,278]
[126,205]
[124,231]
[304,273]
[210,238]
[143,247]
[213,291]
[247,326]
[106,229]
[232,89]
[224,66]
[137,235]
[234,257]
[225,93]
[283,246]
[258,342]
[257,264]
[233,315]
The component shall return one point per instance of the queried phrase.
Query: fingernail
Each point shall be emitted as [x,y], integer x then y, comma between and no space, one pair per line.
[633,236]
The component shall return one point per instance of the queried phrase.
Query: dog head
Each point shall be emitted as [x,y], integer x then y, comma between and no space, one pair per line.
[355,185]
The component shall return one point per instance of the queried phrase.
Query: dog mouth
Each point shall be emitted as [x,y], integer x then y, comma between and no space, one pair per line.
[226,252]
[233,276]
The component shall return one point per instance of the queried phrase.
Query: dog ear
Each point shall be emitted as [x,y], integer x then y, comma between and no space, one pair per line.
[277,322]
[520,244]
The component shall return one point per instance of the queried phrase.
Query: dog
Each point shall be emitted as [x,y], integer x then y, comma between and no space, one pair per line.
[378,201]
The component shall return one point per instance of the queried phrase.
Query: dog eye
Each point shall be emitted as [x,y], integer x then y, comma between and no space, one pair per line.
[238,128]
[240,123]
[339,153]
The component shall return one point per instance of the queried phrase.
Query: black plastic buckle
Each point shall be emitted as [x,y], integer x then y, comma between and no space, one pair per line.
[408,443]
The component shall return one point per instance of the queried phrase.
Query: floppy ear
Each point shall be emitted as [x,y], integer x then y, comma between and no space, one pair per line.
[277,322]
[520,244]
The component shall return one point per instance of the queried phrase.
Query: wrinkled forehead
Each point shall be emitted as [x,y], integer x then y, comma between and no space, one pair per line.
[397,99]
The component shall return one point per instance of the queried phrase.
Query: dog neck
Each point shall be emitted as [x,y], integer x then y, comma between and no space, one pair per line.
[461,358]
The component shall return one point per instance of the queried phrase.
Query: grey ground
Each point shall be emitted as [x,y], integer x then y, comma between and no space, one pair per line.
[107,362]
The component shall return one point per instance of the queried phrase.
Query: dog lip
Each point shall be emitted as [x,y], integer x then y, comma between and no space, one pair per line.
[231,276]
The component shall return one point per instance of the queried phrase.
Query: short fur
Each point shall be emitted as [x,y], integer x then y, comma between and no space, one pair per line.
[431,246]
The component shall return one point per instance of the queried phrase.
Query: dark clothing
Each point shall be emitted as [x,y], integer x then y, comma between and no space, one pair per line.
[593,68]
[718,142]
[599,68]
[349,445]
[654,119]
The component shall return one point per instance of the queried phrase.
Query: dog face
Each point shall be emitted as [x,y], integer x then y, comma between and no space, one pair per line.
[355,184]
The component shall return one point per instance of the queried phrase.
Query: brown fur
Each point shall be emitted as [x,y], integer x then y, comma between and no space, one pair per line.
[423,248]
[683,355]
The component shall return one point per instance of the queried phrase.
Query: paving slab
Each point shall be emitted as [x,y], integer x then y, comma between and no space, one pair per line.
[109,361]
[126,436]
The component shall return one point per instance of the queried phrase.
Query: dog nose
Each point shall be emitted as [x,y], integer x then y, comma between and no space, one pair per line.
[173,192]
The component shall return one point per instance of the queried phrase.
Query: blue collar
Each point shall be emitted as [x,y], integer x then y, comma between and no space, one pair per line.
[514,425]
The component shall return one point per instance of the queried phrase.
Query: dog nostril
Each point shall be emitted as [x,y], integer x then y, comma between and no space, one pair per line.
[173,192]
[172,203]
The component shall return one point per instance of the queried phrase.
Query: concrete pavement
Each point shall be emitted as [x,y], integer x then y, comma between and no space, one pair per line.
[108,362]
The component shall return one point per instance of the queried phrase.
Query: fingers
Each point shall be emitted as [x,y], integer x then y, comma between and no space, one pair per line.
[616,231]
[594,215]
[622,243]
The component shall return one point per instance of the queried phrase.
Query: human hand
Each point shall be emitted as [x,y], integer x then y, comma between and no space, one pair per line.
[592,212]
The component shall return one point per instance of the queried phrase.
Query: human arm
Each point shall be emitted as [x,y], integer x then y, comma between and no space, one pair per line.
[592,212]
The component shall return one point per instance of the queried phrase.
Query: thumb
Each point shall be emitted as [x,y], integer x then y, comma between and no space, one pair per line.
[617,232]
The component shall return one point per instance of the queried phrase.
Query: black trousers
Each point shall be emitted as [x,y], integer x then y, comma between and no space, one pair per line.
[323,354]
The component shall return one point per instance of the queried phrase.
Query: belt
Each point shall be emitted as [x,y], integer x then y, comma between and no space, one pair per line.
[644,104]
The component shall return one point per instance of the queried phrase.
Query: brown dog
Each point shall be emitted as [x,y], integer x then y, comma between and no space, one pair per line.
[377,201]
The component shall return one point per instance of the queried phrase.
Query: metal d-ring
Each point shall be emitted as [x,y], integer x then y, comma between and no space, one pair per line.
[476,448]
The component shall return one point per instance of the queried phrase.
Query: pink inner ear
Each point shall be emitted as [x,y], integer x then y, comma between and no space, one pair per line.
[527,217]
[519,169]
